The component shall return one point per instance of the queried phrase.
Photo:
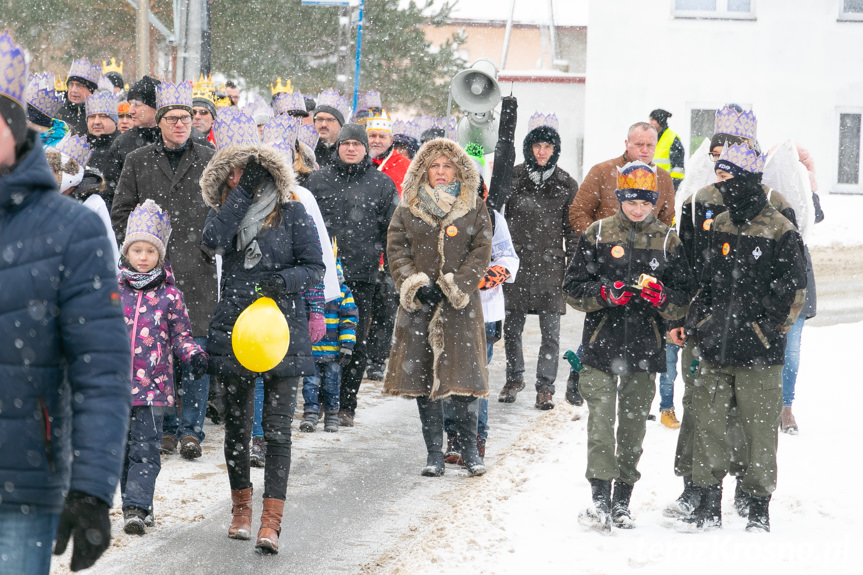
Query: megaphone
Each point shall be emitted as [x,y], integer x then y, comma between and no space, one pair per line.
[476,89]
[478,128]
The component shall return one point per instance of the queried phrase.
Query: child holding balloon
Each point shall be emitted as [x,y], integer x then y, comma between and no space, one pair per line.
[159,329]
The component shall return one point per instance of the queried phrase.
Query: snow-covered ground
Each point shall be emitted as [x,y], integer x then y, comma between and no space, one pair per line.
[841,225]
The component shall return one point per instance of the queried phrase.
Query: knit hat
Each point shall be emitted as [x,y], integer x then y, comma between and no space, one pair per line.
[123,109]
[739,160]
[354,132]
[144,90]
[661,116]
[102,103]
[636,181]
[86,73]
[148,223]
[431,134]
[170,96]
[13,85]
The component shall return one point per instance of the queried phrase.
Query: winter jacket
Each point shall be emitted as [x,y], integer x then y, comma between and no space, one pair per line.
[357,203]
[101,146]
[544,241]
[751,290]
[75,116]
[502,254]
[596,199]
[442,351]
[627,338]
[341,316]
[290,250]
[325,154]
[394,165]
[147,174]
[64,351]
[159,330]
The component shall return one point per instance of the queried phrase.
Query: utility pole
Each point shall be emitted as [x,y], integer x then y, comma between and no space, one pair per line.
[206,38]
[143,38]
[342,70]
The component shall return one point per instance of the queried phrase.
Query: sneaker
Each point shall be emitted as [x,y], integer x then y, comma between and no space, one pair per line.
[134,520]
[375,371]
[346,418]
[668,419]
[310,421]
[168,445]
[452,456]
[331,422]
[258,453]
[544,400]
[787,423]
[510,391]
[190,447]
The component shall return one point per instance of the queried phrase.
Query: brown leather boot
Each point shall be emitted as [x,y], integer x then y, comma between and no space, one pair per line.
[241,511]
[271,526]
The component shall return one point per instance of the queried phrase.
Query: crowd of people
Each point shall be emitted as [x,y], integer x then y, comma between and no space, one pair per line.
[391,258]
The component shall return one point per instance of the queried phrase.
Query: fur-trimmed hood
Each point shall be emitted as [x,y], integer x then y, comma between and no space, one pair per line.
[227,158]
[417,174]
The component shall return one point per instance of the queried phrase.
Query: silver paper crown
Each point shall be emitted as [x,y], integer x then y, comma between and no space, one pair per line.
[285,102]
[369,100]
[13,70]
[331,98]
[424,123]
[235,127]
[538,120]
[730,121]
[282,128]
[170,94]
[409,128]
[105,84]
[308,135]
[76,147]
[285,148]
[84,69]
[744,157]
[148,219]
[41,94]
[258,109]
[101,103]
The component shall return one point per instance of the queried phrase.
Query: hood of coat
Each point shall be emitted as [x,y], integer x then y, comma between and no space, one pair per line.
[417,174]
[229,157]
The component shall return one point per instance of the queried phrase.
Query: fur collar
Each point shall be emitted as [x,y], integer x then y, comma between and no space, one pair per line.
[224,160]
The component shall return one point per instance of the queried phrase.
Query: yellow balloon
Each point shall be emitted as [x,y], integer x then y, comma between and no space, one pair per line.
[260,337]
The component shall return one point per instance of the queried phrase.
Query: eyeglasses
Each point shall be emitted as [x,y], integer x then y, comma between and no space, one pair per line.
[325,120]
[713,157]
[186,120]
[201,112]
[352,144]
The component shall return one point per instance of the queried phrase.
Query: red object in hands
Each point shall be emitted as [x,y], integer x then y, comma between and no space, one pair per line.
[654,292]
[494,276]
[616,294]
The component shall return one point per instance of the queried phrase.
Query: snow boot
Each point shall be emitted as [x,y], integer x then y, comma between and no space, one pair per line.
[668,419]
[759,515]
[510,391]
[134,520]
[310,421]
[684,505]
[331,421]
[465,411]
[271,526]
[190,447]
[620,515]
[741,499]
[431,418]
[544,399]
[787,423]
[241,514]
[452,455]
[573,396]
[708,514]
[375,371]
[346,418]
[168,445]
[598,517]
[258,453]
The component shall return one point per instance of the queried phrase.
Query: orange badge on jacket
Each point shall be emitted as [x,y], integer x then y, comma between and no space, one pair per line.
[617,251]
[451,231]
[726,247]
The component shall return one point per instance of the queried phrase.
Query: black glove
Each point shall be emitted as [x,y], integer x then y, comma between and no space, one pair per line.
[345,356]
[430,295]
[85,519]
[198,365]
[252,176]
[272,286]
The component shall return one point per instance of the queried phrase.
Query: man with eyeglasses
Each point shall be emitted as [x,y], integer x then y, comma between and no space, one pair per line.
[328,120]
[203,117]
[357,203]
[168,172]
[80,85]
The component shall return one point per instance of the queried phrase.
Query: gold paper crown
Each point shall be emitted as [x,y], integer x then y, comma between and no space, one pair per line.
[60,84]
[636,176]
[279,88]
[112,67]
[223,103]
[204,89]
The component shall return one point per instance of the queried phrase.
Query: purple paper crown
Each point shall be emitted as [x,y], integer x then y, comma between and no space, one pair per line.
[308,135]
[282,128]
[148,222]
[331,98]
[730,121]
[409,128]
[424,123]
[538,120]
[76,147]
[41,94]
[742,156]
[285,148]
[13,70]
[85,70]
[450,126]
[105,85]
[285,102]
[170,94]
[369,100]
[258,109]
[235,127]
[102,103]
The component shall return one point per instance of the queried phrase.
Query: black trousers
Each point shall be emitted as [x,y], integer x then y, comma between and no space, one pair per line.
[352,375]
[385,304]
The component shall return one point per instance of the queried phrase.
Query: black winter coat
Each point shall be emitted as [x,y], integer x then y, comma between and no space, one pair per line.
[101,146]
[75,116]
[357,203]
[324,154]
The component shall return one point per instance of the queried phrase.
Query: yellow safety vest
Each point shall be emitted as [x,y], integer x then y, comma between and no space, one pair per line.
[663,151]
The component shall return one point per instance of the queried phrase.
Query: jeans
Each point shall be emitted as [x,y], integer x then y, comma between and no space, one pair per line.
[549,348]
[322,387]
[666,380]
[482,407]
[142,463]
[257,430]
[792,361]
[352,375]
[26,540]
[193,394]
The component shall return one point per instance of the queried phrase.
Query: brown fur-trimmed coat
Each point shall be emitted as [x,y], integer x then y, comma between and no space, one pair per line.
[439,352]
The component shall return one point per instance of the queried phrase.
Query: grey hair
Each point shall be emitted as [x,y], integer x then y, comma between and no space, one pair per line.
[640,126]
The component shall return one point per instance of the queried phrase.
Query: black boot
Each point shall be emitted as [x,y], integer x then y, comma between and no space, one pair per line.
[708,514]
[431,417]
[465,410]
[759,515]
[572,394]
[741,499]
[684,505]
[620,515]
[599,517]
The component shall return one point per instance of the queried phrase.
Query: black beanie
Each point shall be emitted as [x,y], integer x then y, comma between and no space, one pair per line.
[144,90]
[310,103]
[431,134]
[661,116]
[541,134]
[116,79]
[90,85]
[354,132]
[16,118]
[330,110]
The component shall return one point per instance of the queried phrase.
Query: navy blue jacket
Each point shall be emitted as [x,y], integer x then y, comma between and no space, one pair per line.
[64,348]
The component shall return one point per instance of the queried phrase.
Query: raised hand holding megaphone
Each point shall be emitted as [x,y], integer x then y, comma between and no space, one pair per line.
[477,92]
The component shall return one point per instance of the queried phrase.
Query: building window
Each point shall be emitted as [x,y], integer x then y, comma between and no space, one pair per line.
[851,10]
[701,123]
[848,170]
[722,9]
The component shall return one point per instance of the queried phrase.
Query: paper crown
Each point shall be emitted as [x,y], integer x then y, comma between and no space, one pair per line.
[285,102]
[105,84]
[450,126]
[282,128]
[730,121]
[279,88]
[380,121]
[223,102]
[113,66]
[424,123]
[85,70]
[636,176]
[235,127]
[101,103]
[148,223]
[258,109]
[60,84]
[742,156]
[369,100]
[41,94]
[170,94]
[13,70]
[308,135]
[409,128]
[286,148]
[538,120]
[331,98]
[76,147]
[204,89]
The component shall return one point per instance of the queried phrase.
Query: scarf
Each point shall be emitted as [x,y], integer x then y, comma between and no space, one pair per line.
[438,201]
[252,223]
[744,197]
[538,177]
[141,281]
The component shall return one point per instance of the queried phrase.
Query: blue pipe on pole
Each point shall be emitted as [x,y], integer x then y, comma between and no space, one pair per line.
[359,53]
